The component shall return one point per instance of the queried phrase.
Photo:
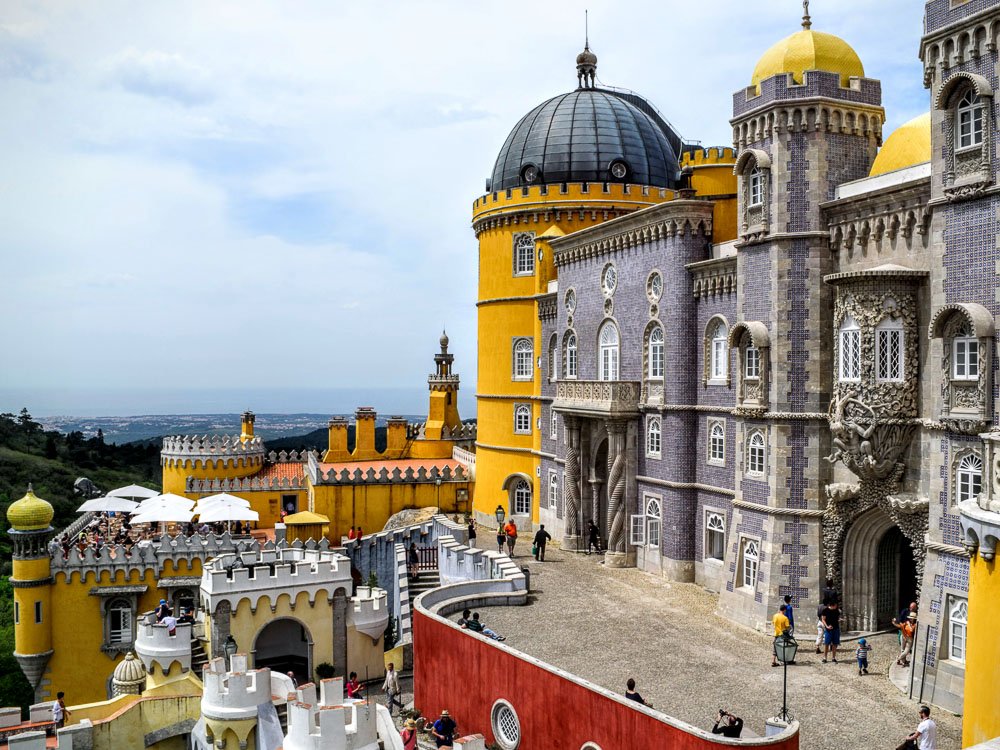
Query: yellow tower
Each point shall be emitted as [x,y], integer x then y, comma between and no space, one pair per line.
[575,160]
[30,520]
[443,384]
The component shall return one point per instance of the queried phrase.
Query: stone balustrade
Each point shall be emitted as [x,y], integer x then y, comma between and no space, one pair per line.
[467,458]
[598,398]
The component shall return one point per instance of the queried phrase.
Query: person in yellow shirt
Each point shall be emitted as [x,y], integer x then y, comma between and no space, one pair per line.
[781,624]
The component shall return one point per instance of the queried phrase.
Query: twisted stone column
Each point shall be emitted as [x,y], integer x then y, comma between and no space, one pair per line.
[571,539]
[617,548]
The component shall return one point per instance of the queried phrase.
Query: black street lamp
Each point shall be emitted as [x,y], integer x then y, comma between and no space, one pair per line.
[230,648]
[785,648]
[500,513]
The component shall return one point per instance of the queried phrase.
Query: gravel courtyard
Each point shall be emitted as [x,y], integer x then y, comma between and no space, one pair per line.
[607,625]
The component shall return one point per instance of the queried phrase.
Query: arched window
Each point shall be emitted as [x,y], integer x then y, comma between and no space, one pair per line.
[717,443]
[965,354]
[749,561]
[756,191]
[756,453]
[553,345]
[523,356]
[715,536]
[653,437]
[889,349]
[522,498]
[524,254]
[719,352]
[652,522]
[119,621]
[608,339]
[968,478]
[969,121]
[850,351]
[554,426]
[522,419]
[958,623]
[569,356]
[656,353]
[553,490]
[751,364]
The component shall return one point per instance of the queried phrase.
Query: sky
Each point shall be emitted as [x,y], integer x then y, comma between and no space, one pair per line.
[275,196]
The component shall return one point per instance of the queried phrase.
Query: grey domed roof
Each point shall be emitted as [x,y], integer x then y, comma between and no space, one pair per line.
[576,137]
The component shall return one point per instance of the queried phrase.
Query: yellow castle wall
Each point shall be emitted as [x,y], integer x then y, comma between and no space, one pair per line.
[981,720]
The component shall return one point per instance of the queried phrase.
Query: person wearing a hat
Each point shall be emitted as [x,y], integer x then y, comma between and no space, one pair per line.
[409,735]
[862,653]
[908,628]
[163,610]
[443,730]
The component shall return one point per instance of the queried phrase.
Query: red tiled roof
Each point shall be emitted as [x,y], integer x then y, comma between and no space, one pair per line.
[402,464]
[287,470]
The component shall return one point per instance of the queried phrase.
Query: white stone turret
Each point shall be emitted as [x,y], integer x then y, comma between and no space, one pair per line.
[197,451]
[155,646]
[331,724]
[234,695]
[369,612]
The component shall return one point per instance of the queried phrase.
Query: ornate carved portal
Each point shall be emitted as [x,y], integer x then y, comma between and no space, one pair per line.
[572,538]
[617,512]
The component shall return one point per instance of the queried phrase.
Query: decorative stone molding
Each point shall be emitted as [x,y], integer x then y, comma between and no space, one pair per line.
[886,220]
[599,398]
[810,115]
[753,394]
[713,278]
[617,510]
[247,484]
[968,172]
[548,306]
[755,216]
[572,482]
[951,46]
[966,405]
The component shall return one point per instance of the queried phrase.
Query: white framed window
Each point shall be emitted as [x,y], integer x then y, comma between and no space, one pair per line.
[720,353]
[756,453]
[716,443]
[524,254]
[522,419]
[958,624]
[554,426]
[506,725]
[608,342]
[637,535]
[652,522]
[553,490]
[609,280]
[654,437]
[119,621]
[968,478]
[569,356]
[889,349]
[522,498]
[965,355]
[749,562]
[524,355]
[756,192]
[969,121]
[715,536]
[751,370]
[850,351]
[654,286]
[656,353]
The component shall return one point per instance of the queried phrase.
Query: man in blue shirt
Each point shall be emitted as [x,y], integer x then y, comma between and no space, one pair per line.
[789,614]
[444,730]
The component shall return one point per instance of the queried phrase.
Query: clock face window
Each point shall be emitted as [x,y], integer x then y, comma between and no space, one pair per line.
[530,173]
[609,280]
[570,301]
[619,170]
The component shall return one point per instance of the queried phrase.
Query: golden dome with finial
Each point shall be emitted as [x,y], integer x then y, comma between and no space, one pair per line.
[809,50]
[30,513]
[909,145]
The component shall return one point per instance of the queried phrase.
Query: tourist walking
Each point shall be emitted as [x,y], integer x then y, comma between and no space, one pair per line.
[443,730]
[541,537]
[510,531]
[897,622]
[409,735]
[59,711]
[925,736]
[472,533]
[391,687]
[862,655]
[831,621]
[593,537]
[781,626]
[789,613]
[632,695]
[501,539]
[908,628]
[412,562]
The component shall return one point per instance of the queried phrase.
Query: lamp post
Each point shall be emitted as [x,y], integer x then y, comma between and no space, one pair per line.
[500,513]
[230,648]
[785,648]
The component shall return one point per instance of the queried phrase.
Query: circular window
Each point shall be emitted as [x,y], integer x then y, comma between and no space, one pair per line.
[609,279]
[570,301]
[654,286]
[506,726]
[530,173]
[619,170]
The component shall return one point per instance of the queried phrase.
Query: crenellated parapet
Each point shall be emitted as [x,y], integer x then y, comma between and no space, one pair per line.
[154,644]
[246,484]
[326,721]
[318,475]
[217,450]
[367,612]
[713,156]
[234,694]
[465,431]
[268,573]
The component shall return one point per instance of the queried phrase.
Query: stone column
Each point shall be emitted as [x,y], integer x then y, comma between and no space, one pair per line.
[340,633]
[617,553]
[571,539]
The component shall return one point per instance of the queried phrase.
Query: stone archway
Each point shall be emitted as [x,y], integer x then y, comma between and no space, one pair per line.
[285,645]
[598,489]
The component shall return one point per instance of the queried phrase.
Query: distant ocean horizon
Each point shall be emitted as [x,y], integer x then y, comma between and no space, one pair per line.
[130,402]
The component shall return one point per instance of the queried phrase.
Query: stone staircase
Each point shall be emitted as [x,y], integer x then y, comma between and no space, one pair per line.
[198,656]
[428,579]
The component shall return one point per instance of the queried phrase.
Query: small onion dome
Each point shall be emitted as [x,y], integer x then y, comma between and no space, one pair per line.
[909,144]
[30,513]
[129,677]
[586,57]
[443,340]
[809,50]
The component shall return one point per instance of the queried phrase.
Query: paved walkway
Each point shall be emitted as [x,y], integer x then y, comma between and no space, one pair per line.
[608,625]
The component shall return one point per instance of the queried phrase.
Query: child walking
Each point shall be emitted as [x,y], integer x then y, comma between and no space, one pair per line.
[862,653]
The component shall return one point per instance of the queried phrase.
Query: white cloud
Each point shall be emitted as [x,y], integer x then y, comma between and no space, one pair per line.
[159,74]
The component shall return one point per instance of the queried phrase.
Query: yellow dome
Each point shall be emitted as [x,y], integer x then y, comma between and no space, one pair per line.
[809,50]
[30,513]
[908,145]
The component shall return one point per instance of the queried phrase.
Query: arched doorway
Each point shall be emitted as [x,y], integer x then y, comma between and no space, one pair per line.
[879,572]
[596,507]
[284,645]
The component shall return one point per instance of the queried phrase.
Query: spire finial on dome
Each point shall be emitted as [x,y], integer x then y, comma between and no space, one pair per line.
[586,61]
[806,18]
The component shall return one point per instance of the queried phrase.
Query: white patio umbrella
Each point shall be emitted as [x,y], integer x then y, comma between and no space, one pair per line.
[222,498]
[133,492]
[169,497]
[108,504]
[163,514]
[221,512]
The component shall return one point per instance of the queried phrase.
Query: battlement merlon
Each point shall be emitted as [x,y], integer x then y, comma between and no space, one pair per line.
[180,450]
[246,484]
[155,645]
[368,612]
[708,157]
[781,89]
[234,694]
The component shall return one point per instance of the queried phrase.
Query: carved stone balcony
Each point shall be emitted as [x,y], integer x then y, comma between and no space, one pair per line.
[598,398]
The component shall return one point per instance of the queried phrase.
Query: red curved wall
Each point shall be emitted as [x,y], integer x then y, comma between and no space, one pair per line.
[466,675]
